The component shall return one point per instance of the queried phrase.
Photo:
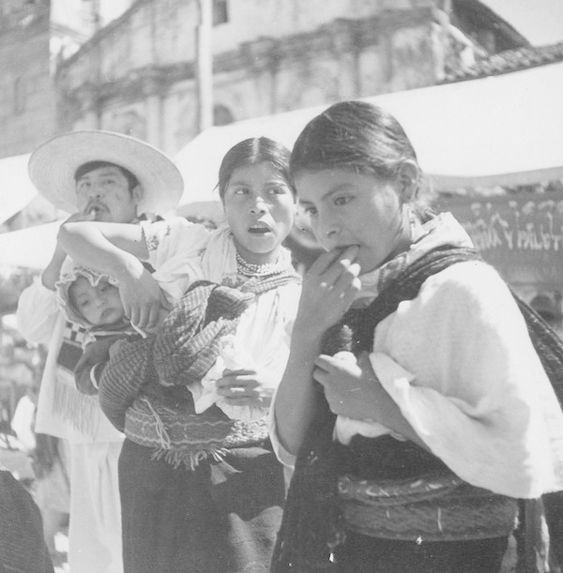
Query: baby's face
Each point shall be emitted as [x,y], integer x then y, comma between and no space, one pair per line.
[100,305]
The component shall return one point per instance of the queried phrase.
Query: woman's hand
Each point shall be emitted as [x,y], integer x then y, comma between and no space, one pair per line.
[244,388]
[350,385]
[142,299]
[329,288]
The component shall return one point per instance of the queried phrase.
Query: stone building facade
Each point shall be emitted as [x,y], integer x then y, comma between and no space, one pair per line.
[27,95]
[137,75]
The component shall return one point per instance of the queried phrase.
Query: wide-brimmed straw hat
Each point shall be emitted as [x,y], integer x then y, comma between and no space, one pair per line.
[53,164]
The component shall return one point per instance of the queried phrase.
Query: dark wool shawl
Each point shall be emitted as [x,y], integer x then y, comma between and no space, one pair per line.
[312,534]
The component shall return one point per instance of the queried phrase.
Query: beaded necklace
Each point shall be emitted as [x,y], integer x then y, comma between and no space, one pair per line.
[259,270]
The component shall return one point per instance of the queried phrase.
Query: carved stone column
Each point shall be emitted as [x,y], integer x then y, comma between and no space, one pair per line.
[261,58]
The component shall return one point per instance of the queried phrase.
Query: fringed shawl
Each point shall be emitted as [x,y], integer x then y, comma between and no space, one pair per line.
[80,411]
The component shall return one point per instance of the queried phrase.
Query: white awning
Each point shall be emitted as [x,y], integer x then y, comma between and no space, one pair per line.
[31,247]
[499,130]
[16,189]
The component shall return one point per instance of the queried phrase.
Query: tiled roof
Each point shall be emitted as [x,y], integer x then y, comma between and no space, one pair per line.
[509,61]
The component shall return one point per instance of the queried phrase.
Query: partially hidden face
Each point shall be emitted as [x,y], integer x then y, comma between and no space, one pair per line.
[100,305]
[104,193]
[348,208]
[260,208]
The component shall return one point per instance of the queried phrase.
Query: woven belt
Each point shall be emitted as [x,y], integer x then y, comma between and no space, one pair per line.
[431,508]
[181,437]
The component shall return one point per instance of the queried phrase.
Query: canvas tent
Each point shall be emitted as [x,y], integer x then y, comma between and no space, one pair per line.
[31,247]
[498,130]
[501,130]
[17,189]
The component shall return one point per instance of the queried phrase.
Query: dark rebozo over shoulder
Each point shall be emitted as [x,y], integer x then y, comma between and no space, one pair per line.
[313,525]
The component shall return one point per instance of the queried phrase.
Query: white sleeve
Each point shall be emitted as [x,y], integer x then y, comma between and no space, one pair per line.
[286,458]
[174,237]
[291,295]
[37,313]
[175,247]
[471,384]
[175,275]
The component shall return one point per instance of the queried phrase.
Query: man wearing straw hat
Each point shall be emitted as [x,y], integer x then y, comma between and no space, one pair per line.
[108,177]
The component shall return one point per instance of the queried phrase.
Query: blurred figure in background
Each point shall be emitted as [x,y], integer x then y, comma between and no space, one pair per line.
[49,459]
[22,547]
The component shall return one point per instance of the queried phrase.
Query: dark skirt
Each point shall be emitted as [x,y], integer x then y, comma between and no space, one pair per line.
[364,554]
[219,518]
[554,515]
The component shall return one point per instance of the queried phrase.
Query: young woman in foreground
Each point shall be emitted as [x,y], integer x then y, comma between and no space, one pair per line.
[416,425]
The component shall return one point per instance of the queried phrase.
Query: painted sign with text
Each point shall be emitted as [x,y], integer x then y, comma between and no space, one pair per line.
[521,235]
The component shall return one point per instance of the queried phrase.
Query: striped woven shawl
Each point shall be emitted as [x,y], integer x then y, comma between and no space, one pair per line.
[145,387]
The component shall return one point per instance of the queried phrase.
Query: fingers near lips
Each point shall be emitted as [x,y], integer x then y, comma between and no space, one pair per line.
[343,272]
[324,262]
[348,279]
